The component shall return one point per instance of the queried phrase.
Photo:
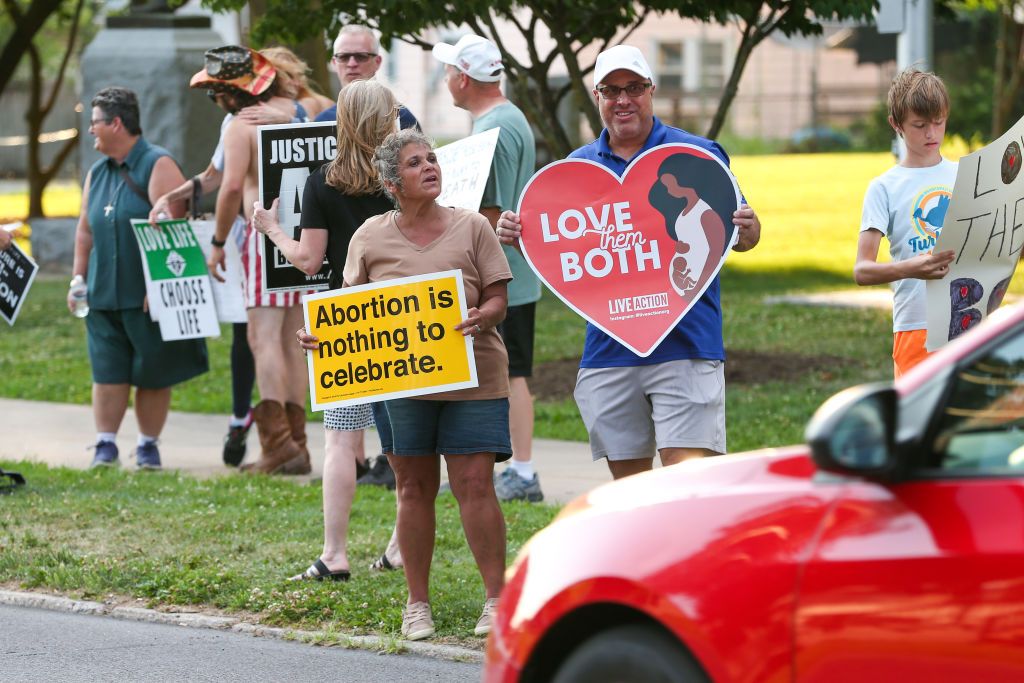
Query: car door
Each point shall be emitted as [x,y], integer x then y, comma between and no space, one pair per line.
[924,580]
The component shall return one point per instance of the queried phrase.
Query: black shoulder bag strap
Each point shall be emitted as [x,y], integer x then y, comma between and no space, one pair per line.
[132,186]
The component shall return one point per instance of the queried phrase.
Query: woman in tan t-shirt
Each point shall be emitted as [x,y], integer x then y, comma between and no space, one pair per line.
[469,426]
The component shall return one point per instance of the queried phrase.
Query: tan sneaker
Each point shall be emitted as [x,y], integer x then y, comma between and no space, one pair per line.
[417,622]
[483,624]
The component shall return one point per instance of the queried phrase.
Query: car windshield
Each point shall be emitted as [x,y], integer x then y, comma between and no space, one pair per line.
[982,426]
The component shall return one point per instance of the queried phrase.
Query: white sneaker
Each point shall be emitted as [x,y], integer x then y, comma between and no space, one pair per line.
[483,624]
[417,622]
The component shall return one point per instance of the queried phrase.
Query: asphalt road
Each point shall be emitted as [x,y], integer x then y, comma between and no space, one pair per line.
[44,645]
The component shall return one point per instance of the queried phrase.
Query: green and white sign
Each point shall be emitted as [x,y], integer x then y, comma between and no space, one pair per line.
[177,281]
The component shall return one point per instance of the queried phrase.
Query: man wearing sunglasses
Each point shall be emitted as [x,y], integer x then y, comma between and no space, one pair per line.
[673,401]
[357,58]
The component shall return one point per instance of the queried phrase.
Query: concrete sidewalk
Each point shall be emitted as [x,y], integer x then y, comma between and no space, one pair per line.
[58,434]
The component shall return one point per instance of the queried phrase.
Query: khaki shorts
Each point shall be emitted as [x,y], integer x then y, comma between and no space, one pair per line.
[633,412]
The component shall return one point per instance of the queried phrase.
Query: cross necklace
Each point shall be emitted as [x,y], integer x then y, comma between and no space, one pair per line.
[109,208]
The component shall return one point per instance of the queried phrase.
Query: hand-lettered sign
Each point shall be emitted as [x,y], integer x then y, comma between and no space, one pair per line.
[632,254]
[465,166]
[984,225]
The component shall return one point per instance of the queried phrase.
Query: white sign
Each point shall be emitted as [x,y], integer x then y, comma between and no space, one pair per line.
[228,296]
[984,225]
[465,165]
[177,281]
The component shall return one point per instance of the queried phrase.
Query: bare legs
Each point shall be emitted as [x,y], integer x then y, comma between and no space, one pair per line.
[418,479]
[339,482]
[669,456]
[471,477]
[520,419]
[110,401]
[280,364]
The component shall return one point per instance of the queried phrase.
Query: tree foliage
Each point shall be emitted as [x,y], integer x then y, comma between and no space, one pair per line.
[40,39]
[574,26]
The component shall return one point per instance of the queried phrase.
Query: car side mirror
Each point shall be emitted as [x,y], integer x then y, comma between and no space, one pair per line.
[853,433]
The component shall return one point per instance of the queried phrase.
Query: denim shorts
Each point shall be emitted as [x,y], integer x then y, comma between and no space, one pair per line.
[423,427]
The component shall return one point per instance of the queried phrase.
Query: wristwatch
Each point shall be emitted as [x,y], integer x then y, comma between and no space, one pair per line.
[217,243]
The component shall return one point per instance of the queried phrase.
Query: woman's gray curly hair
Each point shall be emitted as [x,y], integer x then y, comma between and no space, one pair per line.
[385,158]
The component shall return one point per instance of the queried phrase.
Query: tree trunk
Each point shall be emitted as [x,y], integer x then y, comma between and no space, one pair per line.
[1013,72]
[1000,72]
[751,37]
[38,175]
[34,118]
[26,25]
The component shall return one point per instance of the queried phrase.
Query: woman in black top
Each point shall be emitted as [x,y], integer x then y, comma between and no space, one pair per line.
[337,199]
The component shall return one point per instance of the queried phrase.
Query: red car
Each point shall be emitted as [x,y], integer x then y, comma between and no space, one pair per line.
[889,548]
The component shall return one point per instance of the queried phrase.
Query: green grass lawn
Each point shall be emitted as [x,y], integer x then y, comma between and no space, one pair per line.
[229,543]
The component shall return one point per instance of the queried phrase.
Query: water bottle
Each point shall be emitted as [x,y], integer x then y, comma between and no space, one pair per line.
[79,297]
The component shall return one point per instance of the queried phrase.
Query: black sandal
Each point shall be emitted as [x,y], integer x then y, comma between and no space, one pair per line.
[318,571]
[382,564]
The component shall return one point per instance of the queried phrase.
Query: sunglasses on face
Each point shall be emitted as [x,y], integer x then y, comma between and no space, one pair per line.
[612,92]
[360,57]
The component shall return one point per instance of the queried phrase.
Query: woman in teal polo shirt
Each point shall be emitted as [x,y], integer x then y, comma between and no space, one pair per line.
[125,346]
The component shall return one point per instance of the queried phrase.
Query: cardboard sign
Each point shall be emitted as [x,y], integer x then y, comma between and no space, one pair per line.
[465,166]
[288,153]
[984,225]
[177,282]
[388,340]
[632,254]
[17,271]
[228,296]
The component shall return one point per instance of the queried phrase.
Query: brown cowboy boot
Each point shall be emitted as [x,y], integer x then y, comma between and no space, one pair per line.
[279,448]
[297,423]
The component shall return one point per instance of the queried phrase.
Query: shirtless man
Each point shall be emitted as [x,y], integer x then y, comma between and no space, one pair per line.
[236,77]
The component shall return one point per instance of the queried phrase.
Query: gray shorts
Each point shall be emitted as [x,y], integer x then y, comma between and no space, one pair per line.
[632,412]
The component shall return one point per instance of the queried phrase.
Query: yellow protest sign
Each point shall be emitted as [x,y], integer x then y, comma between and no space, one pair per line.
[389,339]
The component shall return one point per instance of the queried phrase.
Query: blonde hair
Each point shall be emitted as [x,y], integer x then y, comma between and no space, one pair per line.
[367,114]
[917,92]
[291,72]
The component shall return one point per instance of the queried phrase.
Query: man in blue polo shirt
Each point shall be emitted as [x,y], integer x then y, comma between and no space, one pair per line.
[673,400]
[357,58]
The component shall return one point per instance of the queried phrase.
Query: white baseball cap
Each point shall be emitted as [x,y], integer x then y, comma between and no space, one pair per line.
[474,56]
[621,57]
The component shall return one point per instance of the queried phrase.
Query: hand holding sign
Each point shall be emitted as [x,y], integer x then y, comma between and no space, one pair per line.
[388,339]
[632,254]
[984,228]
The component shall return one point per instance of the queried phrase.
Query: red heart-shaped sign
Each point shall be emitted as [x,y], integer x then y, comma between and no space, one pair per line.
[631,254]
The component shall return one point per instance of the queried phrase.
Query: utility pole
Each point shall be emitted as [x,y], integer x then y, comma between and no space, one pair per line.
[914,22]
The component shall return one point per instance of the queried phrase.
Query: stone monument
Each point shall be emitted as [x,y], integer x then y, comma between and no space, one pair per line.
[154,52]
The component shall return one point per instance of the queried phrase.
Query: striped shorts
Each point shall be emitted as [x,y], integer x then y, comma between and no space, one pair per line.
[252,267]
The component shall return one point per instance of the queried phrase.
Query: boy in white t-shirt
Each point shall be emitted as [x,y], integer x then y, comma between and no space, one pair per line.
[908,205]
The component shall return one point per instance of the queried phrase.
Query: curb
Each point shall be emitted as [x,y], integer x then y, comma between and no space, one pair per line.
[190,620]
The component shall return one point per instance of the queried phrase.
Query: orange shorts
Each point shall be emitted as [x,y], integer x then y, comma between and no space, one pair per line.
[908,350]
